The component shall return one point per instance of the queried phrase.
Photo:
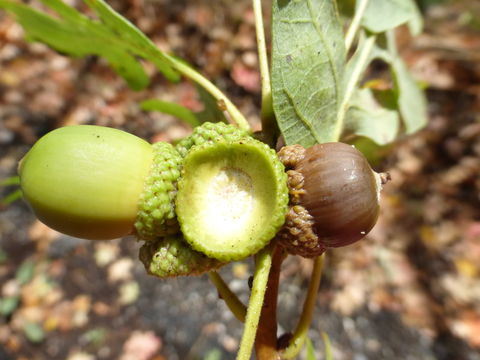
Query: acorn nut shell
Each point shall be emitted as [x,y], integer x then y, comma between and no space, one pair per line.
[342,192]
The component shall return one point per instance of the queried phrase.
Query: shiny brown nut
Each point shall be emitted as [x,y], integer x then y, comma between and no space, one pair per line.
[341,192]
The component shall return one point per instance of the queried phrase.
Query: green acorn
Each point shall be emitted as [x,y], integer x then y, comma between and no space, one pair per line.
[232,198]
[96,182]
[172,256]
[210,133]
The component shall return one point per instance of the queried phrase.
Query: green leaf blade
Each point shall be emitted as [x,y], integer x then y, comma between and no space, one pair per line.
[78,36]
[411,99]
[383,15]
[171,108]
[211,111]
[65,11]
[133,36]
[308,59]
[112,37]
[127,67]
[366,117]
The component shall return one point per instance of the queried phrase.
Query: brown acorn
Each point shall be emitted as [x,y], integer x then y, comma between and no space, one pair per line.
[335,184]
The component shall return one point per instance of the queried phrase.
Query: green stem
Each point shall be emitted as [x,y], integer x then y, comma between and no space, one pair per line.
[364,57]
[301,331]
[14,180]
[328,346]
[354,78]
[262,270]
[238,309]
[10,198]
[269,124]
[192,74]
[391,42]
[355,24]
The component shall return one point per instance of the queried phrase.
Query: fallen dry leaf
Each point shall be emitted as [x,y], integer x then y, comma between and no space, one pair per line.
[141,346]
[120,270]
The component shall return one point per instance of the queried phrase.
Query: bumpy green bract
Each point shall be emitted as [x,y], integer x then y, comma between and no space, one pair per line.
[172,256]
[210,133]
[156,213]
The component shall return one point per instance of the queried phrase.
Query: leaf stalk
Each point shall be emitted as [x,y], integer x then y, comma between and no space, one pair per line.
[355,24]
[354,78]
[269,124]
[194,75]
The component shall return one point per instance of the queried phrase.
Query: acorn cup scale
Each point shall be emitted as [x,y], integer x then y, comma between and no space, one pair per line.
[210,133]
[172,256]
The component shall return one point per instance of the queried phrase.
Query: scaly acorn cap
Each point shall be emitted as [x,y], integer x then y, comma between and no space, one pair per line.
[172,256]
[232,198]
[86,181]
[156,214]
[209,133]
[297,236]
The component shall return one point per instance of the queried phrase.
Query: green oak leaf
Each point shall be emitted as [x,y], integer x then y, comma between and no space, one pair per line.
[111,37]
[383,15]
[366,117]
[411,99]
[167,107]
[308,61]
